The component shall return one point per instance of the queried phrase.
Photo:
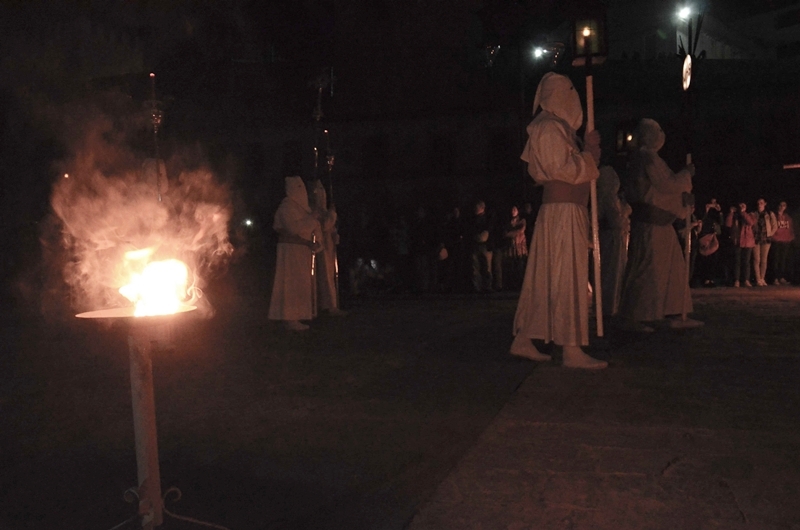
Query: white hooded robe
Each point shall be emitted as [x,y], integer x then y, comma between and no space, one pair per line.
[293,289]
[326,260]
[554,303]
[614,217]
[655,283]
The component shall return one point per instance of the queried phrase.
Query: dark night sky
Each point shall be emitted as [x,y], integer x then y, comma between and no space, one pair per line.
[247,64]
[413,55]
[253,62]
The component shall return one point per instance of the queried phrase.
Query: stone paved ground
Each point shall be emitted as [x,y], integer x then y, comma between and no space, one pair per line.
[351,425]
[411,410]
[691,429]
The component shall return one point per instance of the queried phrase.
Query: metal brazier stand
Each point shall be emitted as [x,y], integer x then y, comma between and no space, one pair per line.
[146,335]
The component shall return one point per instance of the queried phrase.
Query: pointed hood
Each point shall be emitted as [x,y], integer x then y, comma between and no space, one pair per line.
[319,197]
[608,183]
[649,135]
[296,192]
[558,96]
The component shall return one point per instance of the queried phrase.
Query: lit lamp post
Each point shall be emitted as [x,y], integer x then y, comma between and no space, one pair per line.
[685,14]
[550,52]
[590,46]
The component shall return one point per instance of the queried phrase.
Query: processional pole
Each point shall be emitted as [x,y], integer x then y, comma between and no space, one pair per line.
[688,203]
[686,79]
[588,42]
[598,283]
[156,117]
[325,80]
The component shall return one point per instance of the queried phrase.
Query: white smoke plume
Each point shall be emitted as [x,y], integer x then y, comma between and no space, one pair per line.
[109,200]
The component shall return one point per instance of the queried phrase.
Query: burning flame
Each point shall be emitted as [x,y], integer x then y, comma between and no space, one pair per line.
[160,288]
[106,202]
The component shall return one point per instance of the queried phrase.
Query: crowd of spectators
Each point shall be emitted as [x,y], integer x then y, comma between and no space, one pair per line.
[752,247]
[472,248]
[478,248]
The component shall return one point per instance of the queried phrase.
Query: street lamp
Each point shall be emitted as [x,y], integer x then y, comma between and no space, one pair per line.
[686,14]
[550,51]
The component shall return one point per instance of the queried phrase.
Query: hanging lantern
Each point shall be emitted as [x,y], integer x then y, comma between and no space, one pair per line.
[589,38]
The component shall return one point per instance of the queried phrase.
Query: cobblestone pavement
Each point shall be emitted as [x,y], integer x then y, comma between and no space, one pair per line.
[411,412]
[695,429]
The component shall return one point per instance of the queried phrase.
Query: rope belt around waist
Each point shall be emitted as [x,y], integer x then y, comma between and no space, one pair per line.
[291,239]
[653,215]
[558,191]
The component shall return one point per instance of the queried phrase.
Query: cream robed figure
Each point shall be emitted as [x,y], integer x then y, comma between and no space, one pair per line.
[553,304]
[293,290]
[615,225]
[327,291]
[655,283]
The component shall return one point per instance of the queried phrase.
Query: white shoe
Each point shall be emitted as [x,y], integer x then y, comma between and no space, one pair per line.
[295,325]
[523,347]
[574,357]
[678,323]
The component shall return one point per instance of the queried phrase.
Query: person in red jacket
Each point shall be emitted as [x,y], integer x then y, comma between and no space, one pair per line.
[741,222]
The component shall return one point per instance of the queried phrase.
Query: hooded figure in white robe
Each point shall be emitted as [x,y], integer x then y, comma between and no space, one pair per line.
[613,214]
[293,292]
[553,304]
[655,283]
[328,299]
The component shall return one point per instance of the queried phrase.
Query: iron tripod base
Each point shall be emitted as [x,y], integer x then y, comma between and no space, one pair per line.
[146,337]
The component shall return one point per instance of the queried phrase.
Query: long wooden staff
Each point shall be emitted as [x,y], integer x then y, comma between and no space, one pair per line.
[313,275]
[687,247]
[598,288]
[329,167]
